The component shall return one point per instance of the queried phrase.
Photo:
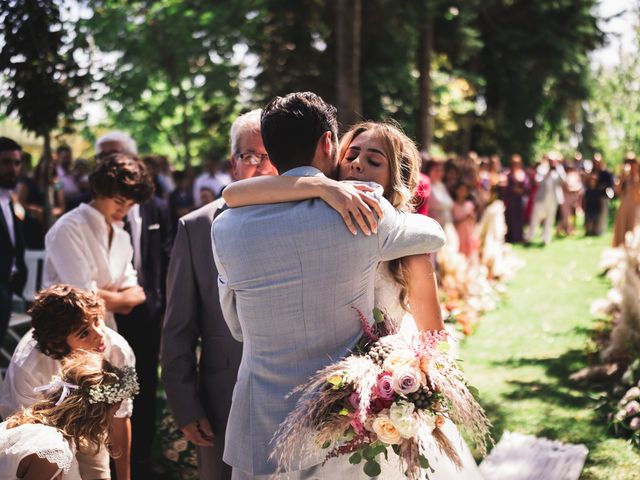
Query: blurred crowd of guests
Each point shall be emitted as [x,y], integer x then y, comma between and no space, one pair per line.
[547,195]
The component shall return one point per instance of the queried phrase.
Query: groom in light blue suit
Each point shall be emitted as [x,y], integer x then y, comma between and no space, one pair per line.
[289,275]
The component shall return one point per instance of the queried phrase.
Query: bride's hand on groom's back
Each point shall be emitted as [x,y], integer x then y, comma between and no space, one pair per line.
[358,209]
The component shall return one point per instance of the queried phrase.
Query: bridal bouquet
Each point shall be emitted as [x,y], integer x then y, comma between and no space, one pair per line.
[393,393]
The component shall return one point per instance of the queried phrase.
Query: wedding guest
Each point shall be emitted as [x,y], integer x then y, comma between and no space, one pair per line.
[165,175]
[66,177]
[65,320]
[207,179]
[514,192]
[591,204]
[74,418]
[207,195]
[199,387]
[150,229]
[550,177]
[606,187]
[629,193]
[572,199]
[440,202]
[181,199]
[13,271]
[464,218]
[116,141]
[32,193]
[89,248]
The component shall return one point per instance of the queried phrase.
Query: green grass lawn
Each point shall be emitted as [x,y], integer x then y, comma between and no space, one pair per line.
[521,355]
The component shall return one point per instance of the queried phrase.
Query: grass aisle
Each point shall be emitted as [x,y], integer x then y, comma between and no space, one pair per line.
[522,354]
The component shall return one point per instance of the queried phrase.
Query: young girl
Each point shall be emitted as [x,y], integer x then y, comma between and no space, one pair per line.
[66,319]
[464,218]
[369,152]
[40,442]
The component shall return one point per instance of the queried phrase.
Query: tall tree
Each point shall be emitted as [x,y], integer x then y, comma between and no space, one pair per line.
[43,81]
[533,76]
[174,83]
[425,54]
[348,33]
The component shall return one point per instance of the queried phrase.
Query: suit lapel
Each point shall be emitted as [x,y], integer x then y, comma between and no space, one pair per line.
[4,227]
[145,212]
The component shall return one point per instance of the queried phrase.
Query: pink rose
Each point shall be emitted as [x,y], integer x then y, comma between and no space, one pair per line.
[385,387]
[406,380]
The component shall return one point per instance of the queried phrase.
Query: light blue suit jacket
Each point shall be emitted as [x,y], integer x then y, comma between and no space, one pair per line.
[289,275]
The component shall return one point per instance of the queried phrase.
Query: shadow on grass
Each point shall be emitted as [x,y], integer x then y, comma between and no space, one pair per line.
[565,410]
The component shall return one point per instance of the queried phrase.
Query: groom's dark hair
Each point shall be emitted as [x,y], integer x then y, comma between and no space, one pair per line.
[292,125]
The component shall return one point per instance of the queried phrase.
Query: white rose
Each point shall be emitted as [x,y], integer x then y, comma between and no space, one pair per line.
[401,414]
[400,358]
[172,455]
[180,445]
[386,430]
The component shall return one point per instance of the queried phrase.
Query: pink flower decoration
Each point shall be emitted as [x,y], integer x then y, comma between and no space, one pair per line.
[385,387]
[354,400]
[357,424]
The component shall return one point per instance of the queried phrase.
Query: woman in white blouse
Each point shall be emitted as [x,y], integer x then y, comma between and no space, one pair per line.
[89,248]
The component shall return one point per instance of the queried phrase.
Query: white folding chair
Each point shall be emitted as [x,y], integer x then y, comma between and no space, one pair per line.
[34,259]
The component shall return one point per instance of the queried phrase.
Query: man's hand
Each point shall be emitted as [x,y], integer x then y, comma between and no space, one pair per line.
[199,433]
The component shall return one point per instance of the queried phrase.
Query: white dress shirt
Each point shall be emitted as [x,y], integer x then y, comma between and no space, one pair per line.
[30,368]
[79,254]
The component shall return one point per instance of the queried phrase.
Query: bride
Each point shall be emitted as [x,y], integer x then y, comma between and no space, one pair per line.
[405,288]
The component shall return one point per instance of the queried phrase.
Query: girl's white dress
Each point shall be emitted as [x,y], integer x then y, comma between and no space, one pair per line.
[32,438]
[387,298]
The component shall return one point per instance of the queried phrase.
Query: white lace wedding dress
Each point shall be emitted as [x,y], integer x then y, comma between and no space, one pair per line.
[44,441]
[387,298]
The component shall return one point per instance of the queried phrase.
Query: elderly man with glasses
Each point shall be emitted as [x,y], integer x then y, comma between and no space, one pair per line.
[199,388]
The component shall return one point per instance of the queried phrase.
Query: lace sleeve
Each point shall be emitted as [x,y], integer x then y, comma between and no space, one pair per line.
[45,442]
[60,456]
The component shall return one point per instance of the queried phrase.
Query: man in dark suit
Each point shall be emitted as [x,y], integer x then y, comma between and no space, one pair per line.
[13,271]
[151,231]
[199,388]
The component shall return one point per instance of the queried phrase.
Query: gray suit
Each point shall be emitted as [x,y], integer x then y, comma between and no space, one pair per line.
[290,274]
[198,389]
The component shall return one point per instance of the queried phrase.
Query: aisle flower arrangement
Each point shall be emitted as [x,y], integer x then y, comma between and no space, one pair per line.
[391,396]
[471,287]
[617,338]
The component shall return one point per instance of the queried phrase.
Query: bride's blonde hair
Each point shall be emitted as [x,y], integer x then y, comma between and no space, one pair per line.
[84,423]
[404,172]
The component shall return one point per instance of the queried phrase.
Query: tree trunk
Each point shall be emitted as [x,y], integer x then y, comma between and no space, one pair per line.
[47,219]
[425,49]
[348,33]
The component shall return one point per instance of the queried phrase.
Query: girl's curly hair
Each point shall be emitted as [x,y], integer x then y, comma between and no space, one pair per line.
[57,312]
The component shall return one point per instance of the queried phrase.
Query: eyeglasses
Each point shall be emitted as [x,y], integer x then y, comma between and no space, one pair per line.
[251,158]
